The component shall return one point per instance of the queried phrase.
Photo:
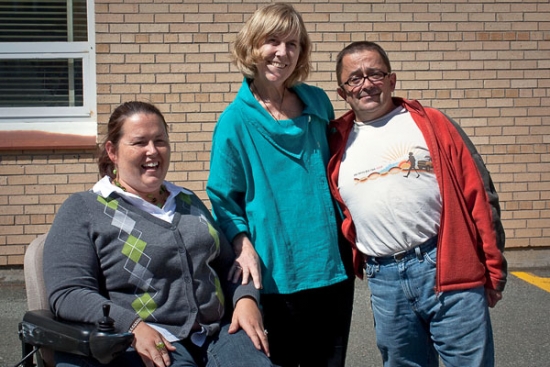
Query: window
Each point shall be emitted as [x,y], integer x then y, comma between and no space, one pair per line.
[47,66]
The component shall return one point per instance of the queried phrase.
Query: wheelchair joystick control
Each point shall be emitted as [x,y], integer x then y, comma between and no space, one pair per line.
[106,324]
[105,343]
[101,341]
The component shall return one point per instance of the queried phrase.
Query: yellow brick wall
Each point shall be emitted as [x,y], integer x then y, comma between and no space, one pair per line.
[485,63]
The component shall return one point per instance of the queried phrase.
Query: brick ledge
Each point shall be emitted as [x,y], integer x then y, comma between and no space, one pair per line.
[34,140]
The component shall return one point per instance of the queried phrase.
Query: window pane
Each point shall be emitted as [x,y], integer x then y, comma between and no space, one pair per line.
[41,83]
[43,21]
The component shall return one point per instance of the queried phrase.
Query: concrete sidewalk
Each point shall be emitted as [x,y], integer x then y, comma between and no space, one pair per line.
[13,305]
[520,320]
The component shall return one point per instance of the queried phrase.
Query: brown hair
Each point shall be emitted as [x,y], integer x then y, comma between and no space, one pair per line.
[356,47]
[279,19]
[114,130]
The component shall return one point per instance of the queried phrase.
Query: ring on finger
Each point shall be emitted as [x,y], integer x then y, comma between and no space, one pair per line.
[160,346]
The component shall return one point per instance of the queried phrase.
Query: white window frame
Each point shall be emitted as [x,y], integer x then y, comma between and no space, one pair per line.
[80,120]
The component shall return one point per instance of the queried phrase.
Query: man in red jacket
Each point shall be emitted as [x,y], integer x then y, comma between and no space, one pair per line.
[431,244]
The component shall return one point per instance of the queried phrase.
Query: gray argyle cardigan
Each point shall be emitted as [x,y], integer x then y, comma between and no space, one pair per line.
[105,250]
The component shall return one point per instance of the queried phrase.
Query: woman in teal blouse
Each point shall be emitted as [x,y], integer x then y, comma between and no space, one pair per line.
[269,193]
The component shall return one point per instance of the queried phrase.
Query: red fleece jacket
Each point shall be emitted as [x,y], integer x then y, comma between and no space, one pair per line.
[471,237]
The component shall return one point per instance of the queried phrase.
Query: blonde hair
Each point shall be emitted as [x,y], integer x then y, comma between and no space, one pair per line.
[279,19]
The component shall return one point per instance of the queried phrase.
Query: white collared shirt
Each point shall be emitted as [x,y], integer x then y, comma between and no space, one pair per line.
[104,187]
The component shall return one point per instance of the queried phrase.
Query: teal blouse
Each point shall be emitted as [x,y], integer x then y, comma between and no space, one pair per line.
[268,179]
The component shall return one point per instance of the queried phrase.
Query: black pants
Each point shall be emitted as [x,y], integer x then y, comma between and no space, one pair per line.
[309,328]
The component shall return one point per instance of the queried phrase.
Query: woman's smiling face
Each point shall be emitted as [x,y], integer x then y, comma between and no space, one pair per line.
[279,58]
[142,156]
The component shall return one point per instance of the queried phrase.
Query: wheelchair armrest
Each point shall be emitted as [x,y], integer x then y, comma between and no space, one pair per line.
[41,328]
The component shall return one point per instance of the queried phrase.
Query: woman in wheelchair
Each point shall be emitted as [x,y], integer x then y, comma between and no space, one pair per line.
[151,251]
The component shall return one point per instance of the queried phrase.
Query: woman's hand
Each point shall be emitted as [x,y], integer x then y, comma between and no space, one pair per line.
[246,263]
[151,346]
[247,316]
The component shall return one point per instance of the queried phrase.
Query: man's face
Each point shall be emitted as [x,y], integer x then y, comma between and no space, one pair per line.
[371,99]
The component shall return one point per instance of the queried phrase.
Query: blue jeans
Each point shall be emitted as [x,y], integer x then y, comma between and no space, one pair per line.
[414,325]
[223,350]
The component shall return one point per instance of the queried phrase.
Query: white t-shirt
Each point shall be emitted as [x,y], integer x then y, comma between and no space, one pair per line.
[392,195]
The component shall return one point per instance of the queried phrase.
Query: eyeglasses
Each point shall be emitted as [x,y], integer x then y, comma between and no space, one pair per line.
[374,76]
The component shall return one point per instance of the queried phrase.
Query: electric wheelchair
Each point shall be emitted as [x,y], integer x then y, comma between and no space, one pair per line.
[41,333]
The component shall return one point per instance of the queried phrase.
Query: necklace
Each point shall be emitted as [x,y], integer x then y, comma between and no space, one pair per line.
[150,197]
[279,109]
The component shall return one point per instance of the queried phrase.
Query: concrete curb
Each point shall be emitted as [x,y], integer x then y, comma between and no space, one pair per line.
[517,259]
[12,277]
[528,258]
